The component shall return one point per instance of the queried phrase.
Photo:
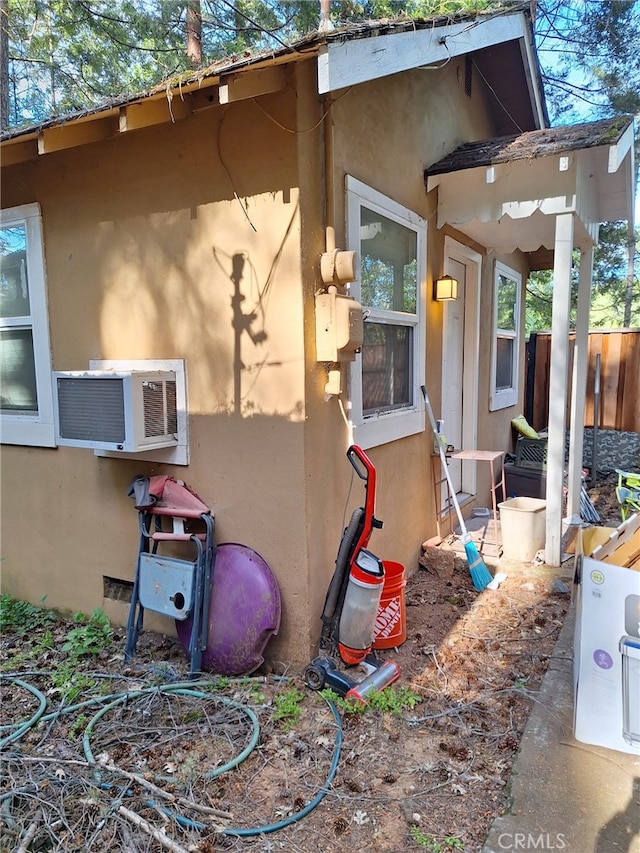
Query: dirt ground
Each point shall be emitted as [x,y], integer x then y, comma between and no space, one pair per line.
[136,758]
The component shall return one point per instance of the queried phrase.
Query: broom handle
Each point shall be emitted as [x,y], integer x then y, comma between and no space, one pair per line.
[443,460]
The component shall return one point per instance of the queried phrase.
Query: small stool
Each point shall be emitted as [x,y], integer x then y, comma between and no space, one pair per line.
[489,456]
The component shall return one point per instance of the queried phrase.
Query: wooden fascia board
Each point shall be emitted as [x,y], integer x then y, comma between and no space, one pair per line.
[19,152]
[619,151]
[251,84]
[343,64]
[77,133]
[531,71]
[610,168]
[516,189]
[94,128]
[148,112]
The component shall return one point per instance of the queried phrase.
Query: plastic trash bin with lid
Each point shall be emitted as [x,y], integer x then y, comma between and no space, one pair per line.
[523,524]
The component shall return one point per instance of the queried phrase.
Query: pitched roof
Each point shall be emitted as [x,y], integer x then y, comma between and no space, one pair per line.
[532,145]
[307,46]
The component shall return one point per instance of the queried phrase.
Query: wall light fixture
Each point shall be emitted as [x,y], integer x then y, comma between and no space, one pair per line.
[445,288]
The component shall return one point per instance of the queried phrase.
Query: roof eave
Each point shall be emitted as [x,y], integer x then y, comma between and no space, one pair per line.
[378,48]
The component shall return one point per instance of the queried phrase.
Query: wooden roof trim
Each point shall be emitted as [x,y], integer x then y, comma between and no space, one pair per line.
[161,107]
[353,61]
[236,78]
[169,90]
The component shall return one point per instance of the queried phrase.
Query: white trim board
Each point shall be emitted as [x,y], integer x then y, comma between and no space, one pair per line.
[342,64]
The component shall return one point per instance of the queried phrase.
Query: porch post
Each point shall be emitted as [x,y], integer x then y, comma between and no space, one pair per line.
[579,381]
[558,382]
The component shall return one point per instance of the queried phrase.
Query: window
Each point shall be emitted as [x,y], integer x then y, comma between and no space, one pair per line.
[26,405]
[386,376]
[506,338]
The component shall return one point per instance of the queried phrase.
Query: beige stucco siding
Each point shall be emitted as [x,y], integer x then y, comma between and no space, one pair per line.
[150,255]
[200,240]
[385,134]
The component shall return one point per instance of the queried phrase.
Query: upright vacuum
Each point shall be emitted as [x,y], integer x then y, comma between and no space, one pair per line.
[351,605]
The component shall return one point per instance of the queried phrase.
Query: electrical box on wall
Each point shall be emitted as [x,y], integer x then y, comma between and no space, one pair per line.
[339,326]
[116,410]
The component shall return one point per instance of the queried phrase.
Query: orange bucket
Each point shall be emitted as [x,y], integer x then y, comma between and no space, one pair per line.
[391,623]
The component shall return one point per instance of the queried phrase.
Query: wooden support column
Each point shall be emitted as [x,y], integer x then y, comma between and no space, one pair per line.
[558,382]
[579,381]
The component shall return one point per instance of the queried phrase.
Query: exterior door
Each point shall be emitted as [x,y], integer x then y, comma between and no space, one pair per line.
[453,368]
[459,361]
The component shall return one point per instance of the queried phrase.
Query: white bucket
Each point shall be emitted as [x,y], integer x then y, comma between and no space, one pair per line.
[523,524]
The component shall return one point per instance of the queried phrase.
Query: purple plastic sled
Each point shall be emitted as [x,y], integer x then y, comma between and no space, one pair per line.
[244,612]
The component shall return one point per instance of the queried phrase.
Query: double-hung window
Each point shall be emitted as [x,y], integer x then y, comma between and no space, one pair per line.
[386,376]
[26,402]
[506,337]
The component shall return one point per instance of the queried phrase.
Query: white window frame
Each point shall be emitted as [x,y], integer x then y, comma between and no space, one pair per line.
[505,397]
[26,428]
[383,427]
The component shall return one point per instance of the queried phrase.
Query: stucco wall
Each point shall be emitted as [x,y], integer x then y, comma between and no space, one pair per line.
[200,240]
[150,255]
[385,134]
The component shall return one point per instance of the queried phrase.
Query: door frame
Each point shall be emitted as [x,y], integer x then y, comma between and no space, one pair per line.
[472,262]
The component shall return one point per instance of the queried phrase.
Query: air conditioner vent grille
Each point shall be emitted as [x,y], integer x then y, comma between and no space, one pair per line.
[153,405]
[172,406]
[91,409]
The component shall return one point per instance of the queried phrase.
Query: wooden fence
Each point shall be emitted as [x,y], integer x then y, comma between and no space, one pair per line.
[619,398]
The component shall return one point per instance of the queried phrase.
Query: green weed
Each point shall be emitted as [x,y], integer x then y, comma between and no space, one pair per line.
[22,618]
[91,636]
[256,695]
[447,844]
[392,700]
[44,643]
[78,726]
[192,716]
[70,683]
[287,706]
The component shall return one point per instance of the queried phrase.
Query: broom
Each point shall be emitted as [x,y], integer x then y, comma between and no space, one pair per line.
[480,574]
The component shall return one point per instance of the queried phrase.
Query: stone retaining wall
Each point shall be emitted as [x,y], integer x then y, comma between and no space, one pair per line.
[615,449]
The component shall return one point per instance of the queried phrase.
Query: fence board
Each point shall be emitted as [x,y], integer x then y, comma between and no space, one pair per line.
[631,397]
[619,351]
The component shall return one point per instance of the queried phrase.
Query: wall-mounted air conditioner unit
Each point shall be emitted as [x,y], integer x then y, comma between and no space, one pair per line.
[122,410]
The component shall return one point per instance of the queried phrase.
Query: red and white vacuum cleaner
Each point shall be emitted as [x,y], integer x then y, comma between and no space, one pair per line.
[351,605]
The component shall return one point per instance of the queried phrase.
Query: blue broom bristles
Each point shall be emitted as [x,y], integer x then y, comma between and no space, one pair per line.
[480,574]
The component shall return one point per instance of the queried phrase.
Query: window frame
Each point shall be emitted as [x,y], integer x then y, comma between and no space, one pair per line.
[386,426]
[503,398]
[35,430]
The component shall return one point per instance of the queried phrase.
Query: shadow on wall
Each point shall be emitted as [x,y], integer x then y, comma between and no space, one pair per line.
[149,257]
[177,294]
[252,322]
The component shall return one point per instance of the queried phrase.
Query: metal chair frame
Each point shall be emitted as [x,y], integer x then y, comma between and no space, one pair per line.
[628,492]
[152,536]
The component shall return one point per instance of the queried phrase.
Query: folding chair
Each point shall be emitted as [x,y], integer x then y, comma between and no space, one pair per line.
[628,492]
[165,583]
